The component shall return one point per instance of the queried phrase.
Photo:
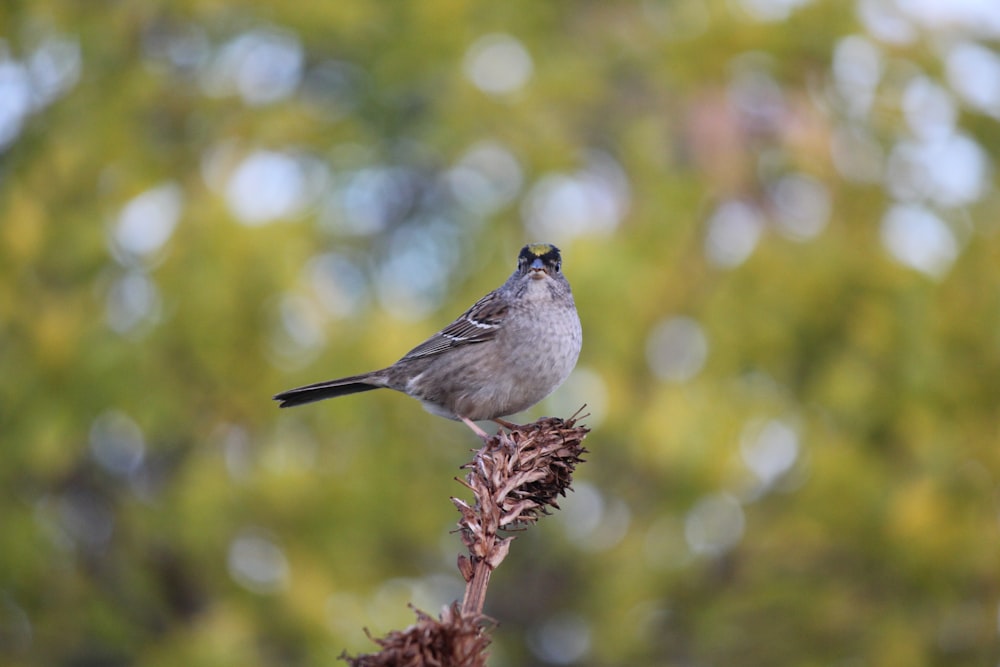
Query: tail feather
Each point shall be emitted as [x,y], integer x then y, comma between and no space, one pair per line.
[328,389]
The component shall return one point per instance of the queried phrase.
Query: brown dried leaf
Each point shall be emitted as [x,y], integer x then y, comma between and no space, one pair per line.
[465,567]
[500,550]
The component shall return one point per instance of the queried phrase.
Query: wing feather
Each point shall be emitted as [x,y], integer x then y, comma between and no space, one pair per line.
[478,324]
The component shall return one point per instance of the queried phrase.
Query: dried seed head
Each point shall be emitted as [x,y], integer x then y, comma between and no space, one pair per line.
[516,477]
[453,639]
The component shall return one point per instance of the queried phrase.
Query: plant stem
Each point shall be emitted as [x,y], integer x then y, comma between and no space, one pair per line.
[475,589]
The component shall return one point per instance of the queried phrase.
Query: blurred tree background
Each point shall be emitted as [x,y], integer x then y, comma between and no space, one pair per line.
[782,224]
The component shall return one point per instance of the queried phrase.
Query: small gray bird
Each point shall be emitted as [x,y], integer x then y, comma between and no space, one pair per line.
[510,350]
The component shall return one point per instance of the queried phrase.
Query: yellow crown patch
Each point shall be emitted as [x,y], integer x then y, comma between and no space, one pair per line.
[540,249]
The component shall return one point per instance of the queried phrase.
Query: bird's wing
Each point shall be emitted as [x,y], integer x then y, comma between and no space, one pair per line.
[478,324]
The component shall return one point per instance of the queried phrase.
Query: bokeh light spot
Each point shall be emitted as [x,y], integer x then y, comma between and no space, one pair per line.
[498,64]
[950,171]
[973,71]
[54,67]
[413,279]
[117,443]
[27,87]
[15,100]
[802,206]
[593,521]
[769,449]
[771,10]
[733,231]
[339,284]
[581,513]
[677,349]
[980,17]
[755,94]
[929,109]
[147,221]
[302,322]
[884,20]
[857,68]
[486,178]
[591,201]
[132,300]
[257,563]
[562,639]
[269,185]
[368,200]
[714,525]
[262,66]
[919,239]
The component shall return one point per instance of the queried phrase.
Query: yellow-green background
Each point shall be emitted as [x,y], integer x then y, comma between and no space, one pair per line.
[146,478]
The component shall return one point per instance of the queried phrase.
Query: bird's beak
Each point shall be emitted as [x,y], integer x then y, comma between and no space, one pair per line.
[537,269]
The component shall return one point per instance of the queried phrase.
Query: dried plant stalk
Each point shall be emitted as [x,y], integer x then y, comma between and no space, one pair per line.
[515,478]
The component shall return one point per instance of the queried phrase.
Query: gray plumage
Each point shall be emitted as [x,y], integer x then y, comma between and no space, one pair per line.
[510,350]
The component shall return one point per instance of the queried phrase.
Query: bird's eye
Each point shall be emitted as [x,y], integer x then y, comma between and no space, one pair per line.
[558,266]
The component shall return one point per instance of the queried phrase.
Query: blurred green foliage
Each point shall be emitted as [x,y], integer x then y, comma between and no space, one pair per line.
[203,203]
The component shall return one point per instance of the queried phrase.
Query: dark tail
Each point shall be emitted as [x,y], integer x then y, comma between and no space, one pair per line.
[329,389]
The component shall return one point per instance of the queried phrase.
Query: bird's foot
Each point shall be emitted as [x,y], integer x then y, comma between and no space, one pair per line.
[483,435]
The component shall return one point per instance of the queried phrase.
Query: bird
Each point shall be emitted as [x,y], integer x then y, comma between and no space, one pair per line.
[507,352]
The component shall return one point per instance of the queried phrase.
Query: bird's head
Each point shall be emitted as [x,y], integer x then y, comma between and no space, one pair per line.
[539,260]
